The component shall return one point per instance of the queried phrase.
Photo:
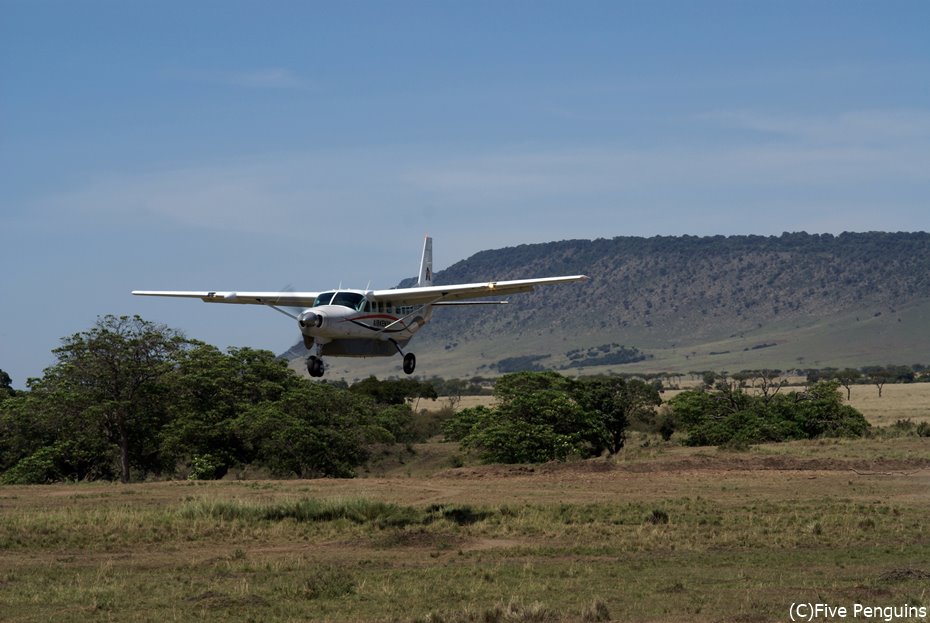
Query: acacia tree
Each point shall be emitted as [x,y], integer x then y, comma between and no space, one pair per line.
[847,377]
[114,370]
[768,381]
[878,376]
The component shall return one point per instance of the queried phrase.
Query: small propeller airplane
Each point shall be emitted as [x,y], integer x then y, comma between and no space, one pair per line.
[369,323]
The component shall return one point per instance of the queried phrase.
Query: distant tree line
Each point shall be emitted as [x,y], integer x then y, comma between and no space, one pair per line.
[871,375]
[847,377]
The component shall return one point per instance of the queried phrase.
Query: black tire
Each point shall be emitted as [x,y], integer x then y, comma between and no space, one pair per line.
[410,363]
[315,366]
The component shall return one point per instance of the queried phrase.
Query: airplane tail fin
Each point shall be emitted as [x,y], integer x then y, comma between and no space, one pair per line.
[426,264]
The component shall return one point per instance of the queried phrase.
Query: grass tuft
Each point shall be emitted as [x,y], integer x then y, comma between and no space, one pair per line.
[657,517]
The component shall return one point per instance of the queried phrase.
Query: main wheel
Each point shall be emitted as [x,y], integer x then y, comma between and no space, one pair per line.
[410,363]
[315,366]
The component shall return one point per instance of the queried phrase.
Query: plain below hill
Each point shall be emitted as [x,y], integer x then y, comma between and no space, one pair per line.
[682,303]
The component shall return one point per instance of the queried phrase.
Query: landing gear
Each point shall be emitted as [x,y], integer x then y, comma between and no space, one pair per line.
[410,363]
[410,360]
[315,366]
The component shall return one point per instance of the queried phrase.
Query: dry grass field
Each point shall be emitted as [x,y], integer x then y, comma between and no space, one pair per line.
[897,402]
[660,533]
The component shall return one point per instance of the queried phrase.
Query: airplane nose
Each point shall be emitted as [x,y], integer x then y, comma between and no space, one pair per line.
[310,319]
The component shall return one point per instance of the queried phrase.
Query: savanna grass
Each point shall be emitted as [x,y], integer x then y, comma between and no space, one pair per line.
[663,545]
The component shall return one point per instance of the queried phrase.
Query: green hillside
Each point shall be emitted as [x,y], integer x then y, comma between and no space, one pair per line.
[685,303]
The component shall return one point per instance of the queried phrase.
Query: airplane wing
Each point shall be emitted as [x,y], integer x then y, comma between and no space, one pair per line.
[278,299]
[412,296]
[463,291]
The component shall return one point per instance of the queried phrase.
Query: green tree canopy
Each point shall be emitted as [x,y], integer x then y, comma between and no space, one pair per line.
[543,416]
[394,391]
[616,402]
[730,415]
[113,374]
[130,398]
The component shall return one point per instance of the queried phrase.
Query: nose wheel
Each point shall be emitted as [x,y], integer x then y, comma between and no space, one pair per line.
[315,366]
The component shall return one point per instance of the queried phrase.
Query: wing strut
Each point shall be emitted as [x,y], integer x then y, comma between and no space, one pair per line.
[281,311]
[416,311]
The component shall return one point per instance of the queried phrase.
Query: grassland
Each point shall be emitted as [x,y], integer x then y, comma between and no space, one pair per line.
[659,533]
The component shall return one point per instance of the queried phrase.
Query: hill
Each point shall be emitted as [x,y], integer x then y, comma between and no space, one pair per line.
[679,303]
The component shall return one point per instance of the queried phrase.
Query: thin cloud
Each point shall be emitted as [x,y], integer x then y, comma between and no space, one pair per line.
[848,159]
[271,78]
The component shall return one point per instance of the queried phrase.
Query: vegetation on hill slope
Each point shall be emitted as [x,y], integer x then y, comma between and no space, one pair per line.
[688,293]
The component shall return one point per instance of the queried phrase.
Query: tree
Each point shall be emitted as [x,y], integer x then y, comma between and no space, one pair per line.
[312,430]
[815,375]
[45,438]
[113,373]
[544,416]
[394,392]
[211,389]
[878,376]
[511,386]
[847,377]
[616,402]
[820,413]
[6,385]
[730,415]
[541,426]
[767,381]
[708,377]
[535,420]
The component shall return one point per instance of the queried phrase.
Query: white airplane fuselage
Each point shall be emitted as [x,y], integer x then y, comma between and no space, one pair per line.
[377,327]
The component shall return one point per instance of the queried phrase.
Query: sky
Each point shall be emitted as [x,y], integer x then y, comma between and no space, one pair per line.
[240,145]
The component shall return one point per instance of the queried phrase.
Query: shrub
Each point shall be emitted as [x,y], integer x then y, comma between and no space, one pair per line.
[40,467]
[62,460]
[207,467]
[461,424]
[731,418]
[544,416]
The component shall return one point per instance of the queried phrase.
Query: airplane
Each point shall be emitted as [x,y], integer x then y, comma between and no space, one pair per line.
[369,323]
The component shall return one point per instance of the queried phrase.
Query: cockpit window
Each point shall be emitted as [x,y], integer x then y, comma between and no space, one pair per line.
[353,300]
[323,299]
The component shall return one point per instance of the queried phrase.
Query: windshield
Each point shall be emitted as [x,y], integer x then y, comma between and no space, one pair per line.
[353,300]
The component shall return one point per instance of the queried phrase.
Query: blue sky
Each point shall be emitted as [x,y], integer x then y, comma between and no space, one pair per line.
[255,145]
